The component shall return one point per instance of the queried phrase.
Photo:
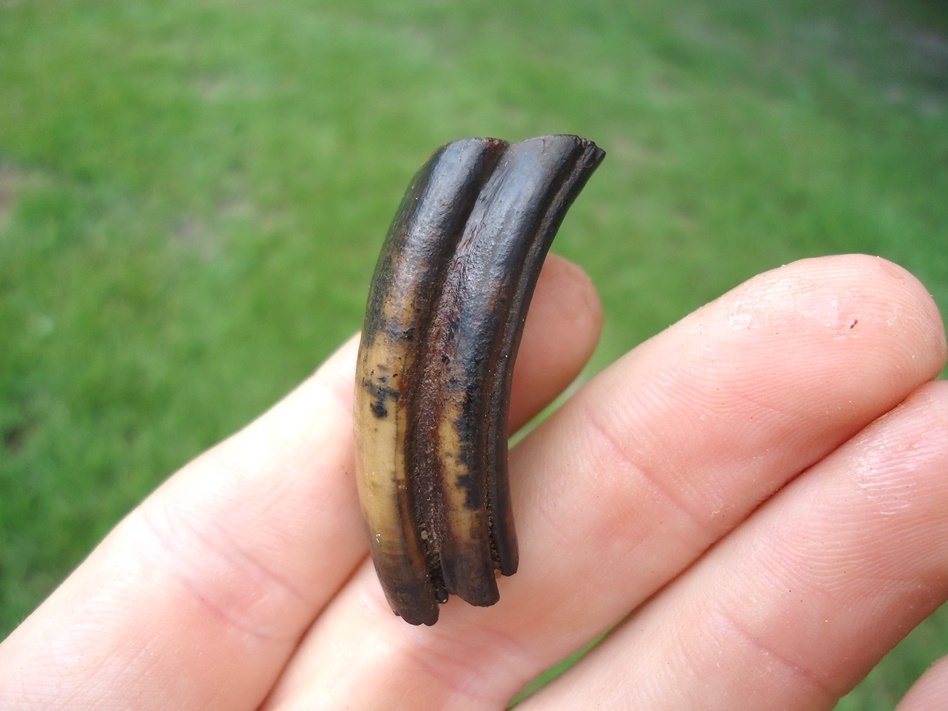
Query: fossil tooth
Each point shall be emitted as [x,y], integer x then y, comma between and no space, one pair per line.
[443,323]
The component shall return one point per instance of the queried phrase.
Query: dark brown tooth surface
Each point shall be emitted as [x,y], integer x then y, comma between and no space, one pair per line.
[443,324]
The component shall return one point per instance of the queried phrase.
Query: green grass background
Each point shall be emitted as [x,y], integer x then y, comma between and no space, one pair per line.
[192,196]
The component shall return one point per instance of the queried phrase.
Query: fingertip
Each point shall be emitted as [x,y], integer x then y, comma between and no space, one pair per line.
[566,291]
[897,299]
[560,334]
[930,691]
[930,320]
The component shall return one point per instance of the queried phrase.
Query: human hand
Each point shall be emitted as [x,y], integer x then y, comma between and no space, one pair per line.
[755,498]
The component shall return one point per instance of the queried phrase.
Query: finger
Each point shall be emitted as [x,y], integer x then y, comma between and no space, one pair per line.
[561,331]
[221,570]
[804,599]
[930,691]
[641,471]
[202,570]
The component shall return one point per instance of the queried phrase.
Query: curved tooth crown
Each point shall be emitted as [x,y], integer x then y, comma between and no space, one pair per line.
[445,314]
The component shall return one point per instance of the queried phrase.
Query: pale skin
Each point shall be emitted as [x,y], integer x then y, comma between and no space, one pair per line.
[755,500]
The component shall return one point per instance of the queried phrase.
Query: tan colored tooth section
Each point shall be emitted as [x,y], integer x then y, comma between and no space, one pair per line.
[380,423]
[467,563]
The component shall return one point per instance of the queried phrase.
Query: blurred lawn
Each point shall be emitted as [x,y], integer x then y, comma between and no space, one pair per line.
[192,195]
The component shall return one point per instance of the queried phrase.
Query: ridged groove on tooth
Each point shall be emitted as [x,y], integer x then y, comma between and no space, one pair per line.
[416,253]
[472,345]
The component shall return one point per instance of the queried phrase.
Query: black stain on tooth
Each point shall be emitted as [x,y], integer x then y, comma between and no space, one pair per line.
[473,493]
[383,396]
